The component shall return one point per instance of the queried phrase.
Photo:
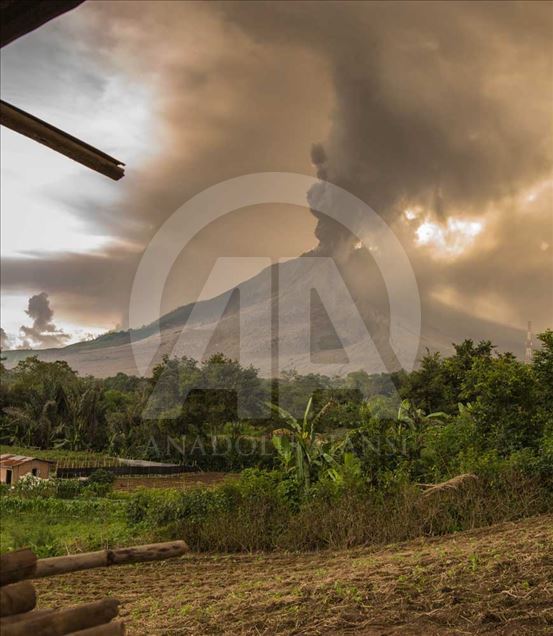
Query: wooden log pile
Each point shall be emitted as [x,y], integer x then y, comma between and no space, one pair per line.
[18,613]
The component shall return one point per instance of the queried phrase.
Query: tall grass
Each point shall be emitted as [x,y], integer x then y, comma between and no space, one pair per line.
[257,513]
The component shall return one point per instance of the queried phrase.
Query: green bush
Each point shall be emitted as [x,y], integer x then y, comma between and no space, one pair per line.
[52,527]
[99,483]
[101,476]
[243,514]
[69,488]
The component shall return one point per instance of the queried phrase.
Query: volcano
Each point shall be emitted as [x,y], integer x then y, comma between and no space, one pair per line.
[304,336]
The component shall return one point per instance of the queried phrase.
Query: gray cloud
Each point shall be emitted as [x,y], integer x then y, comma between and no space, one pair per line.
[43,332]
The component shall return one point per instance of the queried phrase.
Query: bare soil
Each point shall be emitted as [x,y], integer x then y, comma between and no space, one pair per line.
[496,580]
[182,481]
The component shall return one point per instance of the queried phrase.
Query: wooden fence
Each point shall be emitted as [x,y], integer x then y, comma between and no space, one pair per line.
[123,471]
[18,616]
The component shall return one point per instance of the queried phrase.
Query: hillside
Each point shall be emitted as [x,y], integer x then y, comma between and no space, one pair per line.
[197,329]
[496,580]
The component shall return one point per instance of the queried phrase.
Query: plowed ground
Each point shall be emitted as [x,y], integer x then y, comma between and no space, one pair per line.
[496,580]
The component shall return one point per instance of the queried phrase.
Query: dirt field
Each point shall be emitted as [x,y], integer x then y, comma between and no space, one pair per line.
[185,480]
[496,580]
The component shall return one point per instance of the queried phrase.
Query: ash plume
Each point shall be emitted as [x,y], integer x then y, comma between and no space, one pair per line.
[4,339]
[334,239]
[43,332]
[441,105]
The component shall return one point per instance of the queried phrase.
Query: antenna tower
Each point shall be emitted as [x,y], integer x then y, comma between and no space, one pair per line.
[529,344]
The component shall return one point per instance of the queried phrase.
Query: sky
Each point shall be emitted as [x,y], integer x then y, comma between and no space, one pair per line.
[438,115]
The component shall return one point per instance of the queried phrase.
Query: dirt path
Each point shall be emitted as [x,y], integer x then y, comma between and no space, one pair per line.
[495,580]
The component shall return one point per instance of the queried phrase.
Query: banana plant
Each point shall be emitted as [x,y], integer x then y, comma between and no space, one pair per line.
[301,451]
[348,471]
[415,418]
[412,422]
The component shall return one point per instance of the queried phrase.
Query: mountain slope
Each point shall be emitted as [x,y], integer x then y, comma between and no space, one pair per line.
[310,339]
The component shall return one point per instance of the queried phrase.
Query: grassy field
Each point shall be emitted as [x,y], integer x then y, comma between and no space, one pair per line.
[53,527]
[496,580]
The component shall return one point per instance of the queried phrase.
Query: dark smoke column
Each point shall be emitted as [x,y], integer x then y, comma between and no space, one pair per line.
[334,239]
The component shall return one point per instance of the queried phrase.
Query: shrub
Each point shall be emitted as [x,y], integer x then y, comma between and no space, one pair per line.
[40,539]
[101,476]
[99,484]
[262,510]
[61,507]
[31,486]
[240,515]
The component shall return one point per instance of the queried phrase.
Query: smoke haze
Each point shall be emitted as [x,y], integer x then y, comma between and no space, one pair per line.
[442,108]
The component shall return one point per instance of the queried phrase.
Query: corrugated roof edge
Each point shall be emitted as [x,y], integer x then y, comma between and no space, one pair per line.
[16,460]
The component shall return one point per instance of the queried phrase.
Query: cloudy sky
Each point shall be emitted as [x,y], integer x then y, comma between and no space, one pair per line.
[437,115]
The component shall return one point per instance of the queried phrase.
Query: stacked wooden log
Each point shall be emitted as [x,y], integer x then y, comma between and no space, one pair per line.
[18,613]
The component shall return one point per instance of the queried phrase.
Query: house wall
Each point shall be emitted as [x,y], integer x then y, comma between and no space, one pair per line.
[43,470]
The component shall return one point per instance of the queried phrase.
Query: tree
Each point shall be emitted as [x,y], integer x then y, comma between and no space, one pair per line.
[39,402]
[503,394]
[542,364]
[439,384]
[426,387]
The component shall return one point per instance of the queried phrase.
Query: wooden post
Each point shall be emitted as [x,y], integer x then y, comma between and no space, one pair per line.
[66,621]
[17,598]
[17,565]
[19,18]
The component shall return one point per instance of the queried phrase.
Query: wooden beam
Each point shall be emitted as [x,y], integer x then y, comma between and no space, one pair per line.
[151,552]
[34,128]
[18,17]
[25,616]
[103,558]
[71,563]
[17,565]
[17,598]
[65,621]
[115,628]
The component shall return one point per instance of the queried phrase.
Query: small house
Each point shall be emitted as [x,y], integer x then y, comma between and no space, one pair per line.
[12,467]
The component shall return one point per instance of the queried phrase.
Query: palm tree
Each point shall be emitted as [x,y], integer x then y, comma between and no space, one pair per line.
[33,424]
